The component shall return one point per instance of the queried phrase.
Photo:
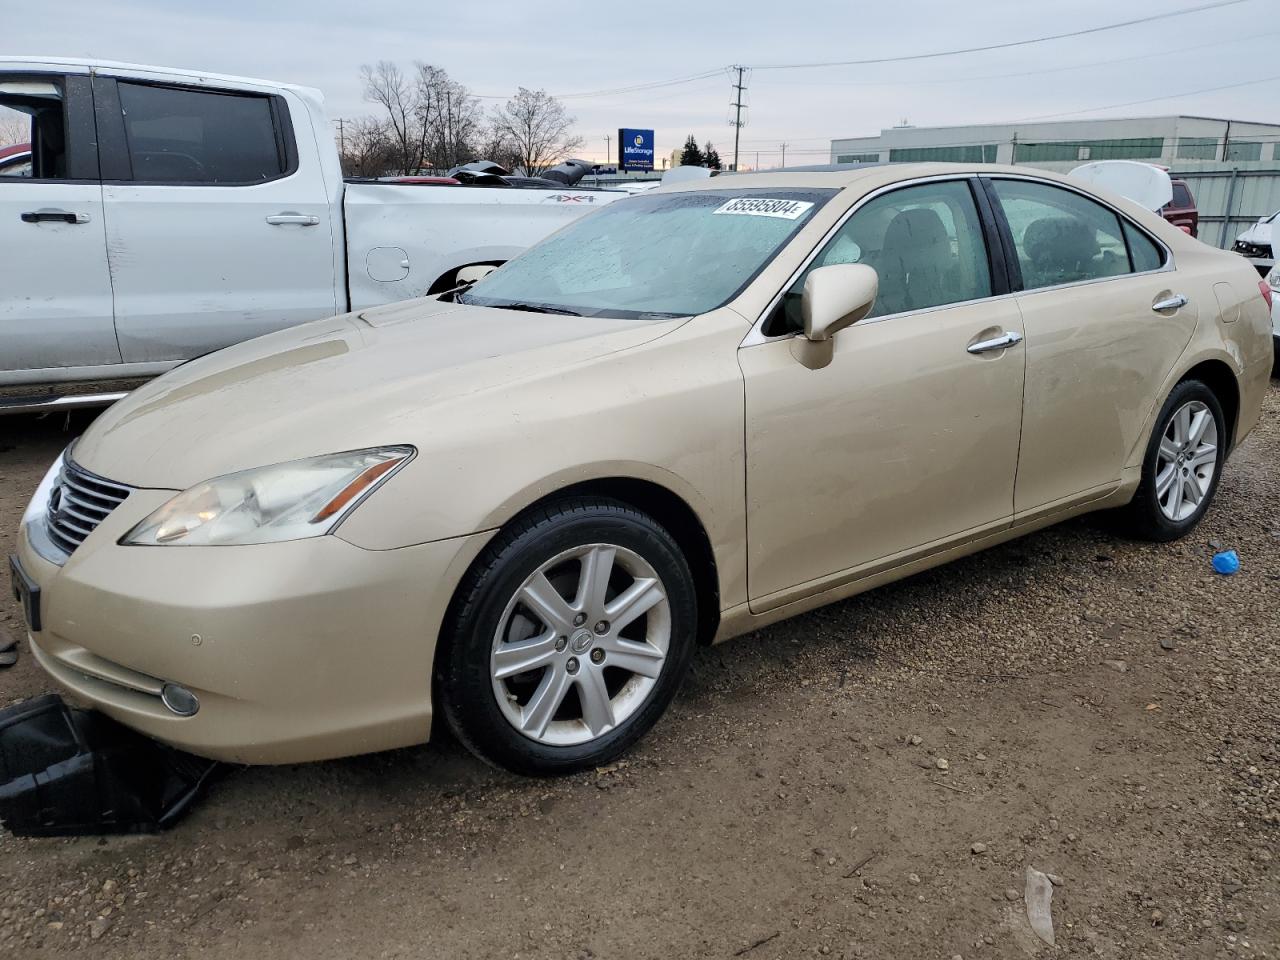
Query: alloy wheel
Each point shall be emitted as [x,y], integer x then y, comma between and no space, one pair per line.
[1186,461]
[580,646]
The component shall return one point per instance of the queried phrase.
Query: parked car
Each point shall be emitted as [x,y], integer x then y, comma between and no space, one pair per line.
[693,413]
[183,212]
[15,160]
[1181,211]
[1256,243]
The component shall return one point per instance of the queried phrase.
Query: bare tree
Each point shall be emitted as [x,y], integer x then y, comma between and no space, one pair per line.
[432,120]
[536,127]
[450,116]
[15,127]
[386,85]
[368,149]
[500,149]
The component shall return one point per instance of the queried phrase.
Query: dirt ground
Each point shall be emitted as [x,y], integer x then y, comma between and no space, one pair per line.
[1108,712]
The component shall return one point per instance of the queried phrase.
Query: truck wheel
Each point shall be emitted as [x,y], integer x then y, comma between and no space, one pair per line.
[568,638]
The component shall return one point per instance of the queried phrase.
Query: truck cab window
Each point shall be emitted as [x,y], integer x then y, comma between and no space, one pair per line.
[177,135]
[33,130]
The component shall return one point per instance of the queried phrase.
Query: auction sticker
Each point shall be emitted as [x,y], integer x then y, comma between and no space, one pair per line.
[764,207]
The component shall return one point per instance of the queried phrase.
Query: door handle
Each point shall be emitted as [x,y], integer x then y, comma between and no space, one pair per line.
[995,343]
[1170,303]
[300,219]
[51,215]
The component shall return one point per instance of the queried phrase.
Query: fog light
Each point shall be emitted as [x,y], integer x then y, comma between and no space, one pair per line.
[179,700]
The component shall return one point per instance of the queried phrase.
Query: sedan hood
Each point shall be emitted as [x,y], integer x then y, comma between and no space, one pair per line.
[360,380]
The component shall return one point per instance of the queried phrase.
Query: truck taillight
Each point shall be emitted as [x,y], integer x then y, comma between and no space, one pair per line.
[1266,292]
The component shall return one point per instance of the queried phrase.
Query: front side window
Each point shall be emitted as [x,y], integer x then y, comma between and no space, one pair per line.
[653,256]
[177,135]
[33,129]
[1061,236]
[925,243]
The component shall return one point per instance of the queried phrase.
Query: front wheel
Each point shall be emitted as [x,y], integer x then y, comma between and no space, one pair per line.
[1182,465]
[569,638]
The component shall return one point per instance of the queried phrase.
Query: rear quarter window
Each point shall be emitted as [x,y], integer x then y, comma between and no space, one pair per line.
[1144,252]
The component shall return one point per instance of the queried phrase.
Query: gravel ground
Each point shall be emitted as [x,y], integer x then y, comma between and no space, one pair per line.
[871,780]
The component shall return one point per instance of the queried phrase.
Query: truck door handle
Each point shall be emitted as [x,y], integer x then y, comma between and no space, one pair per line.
[300,219]
[995,343]
[1170,303]
[50,215]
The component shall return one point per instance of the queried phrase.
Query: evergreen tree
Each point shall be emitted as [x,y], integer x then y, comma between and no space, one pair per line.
[691,156]
[710,157]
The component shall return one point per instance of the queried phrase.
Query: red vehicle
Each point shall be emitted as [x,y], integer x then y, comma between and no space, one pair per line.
[1181,211]
[15,160]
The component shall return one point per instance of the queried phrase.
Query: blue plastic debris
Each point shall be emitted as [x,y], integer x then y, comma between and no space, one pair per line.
[1227,562]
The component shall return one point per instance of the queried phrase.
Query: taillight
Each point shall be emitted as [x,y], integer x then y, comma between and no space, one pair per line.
[1266,292]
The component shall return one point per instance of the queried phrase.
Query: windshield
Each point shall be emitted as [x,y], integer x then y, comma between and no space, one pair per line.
[653,256]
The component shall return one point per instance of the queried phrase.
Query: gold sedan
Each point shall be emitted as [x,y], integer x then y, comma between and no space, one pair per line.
[695,412]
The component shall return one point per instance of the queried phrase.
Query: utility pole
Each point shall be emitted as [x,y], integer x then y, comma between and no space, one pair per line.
[606,150]
[342,137]
[737,104]
[783,147]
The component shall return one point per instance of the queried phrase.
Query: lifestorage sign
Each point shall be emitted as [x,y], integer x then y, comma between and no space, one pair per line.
[635,149]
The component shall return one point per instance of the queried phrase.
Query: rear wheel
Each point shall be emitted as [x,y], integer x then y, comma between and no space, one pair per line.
[570,638]
[1182,466]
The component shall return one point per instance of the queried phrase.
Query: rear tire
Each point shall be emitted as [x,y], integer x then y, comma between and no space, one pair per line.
[1182,466]
[568,638]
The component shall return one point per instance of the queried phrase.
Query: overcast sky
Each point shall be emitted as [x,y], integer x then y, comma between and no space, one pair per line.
[567,48]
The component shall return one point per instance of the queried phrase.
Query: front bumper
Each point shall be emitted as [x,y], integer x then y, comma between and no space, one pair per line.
[297,651]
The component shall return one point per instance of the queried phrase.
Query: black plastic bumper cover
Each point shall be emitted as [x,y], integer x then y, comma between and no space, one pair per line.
[66,771]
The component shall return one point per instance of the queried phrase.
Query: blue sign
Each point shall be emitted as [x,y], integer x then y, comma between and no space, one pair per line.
[635,149]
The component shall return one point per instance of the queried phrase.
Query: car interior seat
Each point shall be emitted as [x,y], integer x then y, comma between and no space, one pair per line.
[1058,250]
[916,262]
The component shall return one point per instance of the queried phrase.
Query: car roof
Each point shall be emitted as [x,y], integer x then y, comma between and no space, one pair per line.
[862,176]
[91,64]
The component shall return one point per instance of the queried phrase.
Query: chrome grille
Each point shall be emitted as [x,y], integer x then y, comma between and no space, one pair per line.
[78,503]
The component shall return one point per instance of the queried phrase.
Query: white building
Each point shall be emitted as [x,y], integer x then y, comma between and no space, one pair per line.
[1179,142]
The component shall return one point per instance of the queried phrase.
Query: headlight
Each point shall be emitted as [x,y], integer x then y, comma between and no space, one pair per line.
[39,504]
[1273,278]
[286,501]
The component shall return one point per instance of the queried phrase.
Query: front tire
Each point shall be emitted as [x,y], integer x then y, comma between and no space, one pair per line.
[568,638]
[1182,466]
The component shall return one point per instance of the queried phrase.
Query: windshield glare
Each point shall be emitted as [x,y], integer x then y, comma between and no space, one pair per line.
[653,256]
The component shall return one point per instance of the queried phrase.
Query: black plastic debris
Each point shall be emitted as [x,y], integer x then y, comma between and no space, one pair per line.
[66,772]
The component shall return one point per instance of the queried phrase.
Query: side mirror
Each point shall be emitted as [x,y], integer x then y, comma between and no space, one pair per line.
[474,272]
[836,297]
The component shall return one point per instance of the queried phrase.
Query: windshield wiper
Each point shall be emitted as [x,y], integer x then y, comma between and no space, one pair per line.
[536,308]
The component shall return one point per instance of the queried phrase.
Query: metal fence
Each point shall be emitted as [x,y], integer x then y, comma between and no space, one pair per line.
[1230,201]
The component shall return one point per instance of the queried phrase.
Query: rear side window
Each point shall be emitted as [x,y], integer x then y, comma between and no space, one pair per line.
[1181,196]
[1060,236]
[177,135]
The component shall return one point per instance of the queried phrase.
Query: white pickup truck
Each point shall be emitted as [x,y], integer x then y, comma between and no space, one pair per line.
[169,213]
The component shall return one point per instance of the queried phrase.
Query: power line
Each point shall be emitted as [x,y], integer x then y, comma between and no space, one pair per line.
[903,58]
[1167,96]
[1005,45]
[633,88]
[1164,54]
